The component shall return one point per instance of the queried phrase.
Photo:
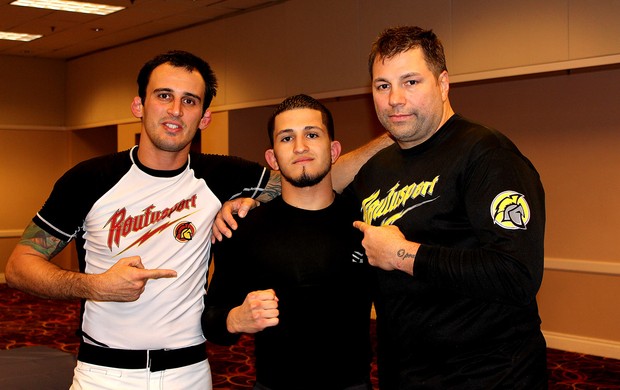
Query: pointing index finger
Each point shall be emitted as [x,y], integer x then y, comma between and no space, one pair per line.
[360,225]
[159,273]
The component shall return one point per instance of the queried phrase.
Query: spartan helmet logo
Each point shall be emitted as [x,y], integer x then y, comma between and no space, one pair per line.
[510,210]
[184,232]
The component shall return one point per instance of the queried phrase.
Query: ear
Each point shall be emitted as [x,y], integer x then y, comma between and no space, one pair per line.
[270,156]
[336,149]
[136,107]
[205,120]
[444,84]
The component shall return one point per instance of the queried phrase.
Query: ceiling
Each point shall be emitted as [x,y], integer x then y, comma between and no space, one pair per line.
[69,35]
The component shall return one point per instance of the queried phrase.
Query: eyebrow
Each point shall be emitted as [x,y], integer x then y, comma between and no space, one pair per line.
[306,128]
[402,77]
[311,127]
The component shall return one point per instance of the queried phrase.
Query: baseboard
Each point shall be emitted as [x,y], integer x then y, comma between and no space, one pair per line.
[586,345]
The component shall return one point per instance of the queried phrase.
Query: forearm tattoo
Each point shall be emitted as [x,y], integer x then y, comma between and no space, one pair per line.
[403,254]
[41,241]
[272,189]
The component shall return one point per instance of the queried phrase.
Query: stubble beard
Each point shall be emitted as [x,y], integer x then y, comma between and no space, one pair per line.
[305,179]
[403,131]
[169,143]
[410,133]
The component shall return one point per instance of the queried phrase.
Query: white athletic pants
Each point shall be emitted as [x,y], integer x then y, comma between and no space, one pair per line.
[89,376]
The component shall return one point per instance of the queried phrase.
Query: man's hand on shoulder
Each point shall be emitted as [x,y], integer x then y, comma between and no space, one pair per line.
[225,223]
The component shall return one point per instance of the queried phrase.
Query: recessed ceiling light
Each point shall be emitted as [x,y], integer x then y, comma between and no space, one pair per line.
[11,36]
[70,6]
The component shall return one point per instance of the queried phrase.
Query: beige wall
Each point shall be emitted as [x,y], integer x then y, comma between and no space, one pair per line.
[320,47]
[565,122]
[33,145]
[30,164]
[34,93]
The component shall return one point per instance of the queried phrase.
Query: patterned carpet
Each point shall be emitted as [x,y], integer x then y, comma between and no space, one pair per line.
[29,321]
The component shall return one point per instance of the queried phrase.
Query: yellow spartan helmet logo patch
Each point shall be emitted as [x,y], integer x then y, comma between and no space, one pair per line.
[510,210]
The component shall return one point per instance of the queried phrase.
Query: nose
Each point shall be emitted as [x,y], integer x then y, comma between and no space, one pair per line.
[300,145]
[175,109]
[397,97]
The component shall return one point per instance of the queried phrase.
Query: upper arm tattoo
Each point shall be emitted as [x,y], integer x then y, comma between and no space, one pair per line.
[41,241]
[272,189]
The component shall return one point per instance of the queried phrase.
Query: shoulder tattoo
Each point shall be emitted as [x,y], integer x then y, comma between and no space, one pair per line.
[41,241]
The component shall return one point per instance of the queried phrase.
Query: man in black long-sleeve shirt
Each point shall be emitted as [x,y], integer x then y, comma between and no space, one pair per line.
[454,220]
[294,273]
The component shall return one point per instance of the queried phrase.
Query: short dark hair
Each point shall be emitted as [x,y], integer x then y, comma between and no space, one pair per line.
[180,59]
[396,40]
[301,101]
